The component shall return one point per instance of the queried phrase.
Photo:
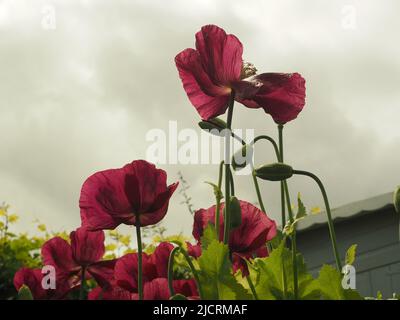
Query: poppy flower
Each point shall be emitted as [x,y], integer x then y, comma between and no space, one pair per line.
[246,240]
[111,197]
[32,278]
[215,68]
[194,250]
[155,275]
[85,252]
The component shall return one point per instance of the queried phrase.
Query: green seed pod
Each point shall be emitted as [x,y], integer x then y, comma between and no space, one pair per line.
[396,199]
[214,126]
[236,213]
[242,157]
[274,172]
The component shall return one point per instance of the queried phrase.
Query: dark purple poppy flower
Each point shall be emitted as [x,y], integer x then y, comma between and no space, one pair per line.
[116,196]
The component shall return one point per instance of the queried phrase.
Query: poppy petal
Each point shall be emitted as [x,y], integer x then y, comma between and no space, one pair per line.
[221,54]
[58,253]
[103,201]
[282,95]
[156,289]
[209,99]
[32,278]
[103,272]
[160,258]
[87,246]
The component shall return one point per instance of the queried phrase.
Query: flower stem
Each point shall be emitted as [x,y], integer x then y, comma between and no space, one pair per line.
[252,288]
[232,183]
[194,271]
[140,268]
[218,196]
[328,213]
[285,195]
[268,138]
[171,271]
[280,131]
[260,200]
[82,289]
[227,220]
[293,243]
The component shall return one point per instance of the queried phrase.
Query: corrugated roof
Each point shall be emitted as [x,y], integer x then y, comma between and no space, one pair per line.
[347,211]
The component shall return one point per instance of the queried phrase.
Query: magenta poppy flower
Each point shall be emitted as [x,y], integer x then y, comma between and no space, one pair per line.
[155,275]
[215,68]
[245,241]
[85,251]
[32,278]
[194,250]
[111,197]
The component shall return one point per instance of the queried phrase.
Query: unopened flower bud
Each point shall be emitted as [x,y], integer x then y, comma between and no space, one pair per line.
[274,172]
[214,126]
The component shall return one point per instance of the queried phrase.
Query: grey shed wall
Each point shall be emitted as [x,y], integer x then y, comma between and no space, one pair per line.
[378,253]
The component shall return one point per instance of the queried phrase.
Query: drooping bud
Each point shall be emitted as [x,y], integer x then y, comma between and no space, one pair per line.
[214,126]
[242,157]
[248,70]
[396,199]
[274,172]
[236,213]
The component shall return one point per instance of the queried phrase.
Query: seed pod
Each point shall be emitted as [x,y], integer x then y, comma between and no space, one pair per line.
[214,126]
[242,157]
[274,172]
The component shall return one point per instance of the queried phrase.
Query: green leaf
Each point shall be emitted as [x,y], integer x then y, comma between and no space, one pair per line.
[351,254]
[24,293]
[301,214]
[216,278]
[209,235]
[330,285]
[301,211]
[217,191]
[272,271]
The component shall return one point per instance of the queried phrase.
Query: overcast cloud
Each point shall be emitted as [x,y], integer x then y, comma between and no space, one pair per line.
[80,98]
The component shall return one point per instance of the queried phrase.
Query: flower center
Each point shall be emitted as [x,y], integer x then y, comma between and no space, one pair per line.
[248,70]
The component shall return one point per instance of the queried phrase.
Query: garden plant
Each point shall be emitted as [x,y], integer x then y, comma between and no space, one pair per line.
[237,251]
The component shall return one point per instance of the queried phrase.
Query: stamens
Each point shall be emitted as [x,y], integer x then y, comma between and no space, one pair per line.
[248,70]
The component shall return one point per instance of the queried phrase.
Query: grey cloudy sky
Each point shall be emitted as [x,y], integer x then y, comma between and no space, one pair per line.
[80,98]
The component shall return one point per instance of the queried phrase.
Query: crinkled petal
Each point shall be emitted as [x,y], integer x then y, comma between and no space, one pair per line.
[103,272]
[87,246]
[210,100]
[185,287]
[112,293]
[103,202]
[156,289]
[282,95]
[194,250]
[58,253]
[160,258]
[221,54]
[32,278]
[126,271]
